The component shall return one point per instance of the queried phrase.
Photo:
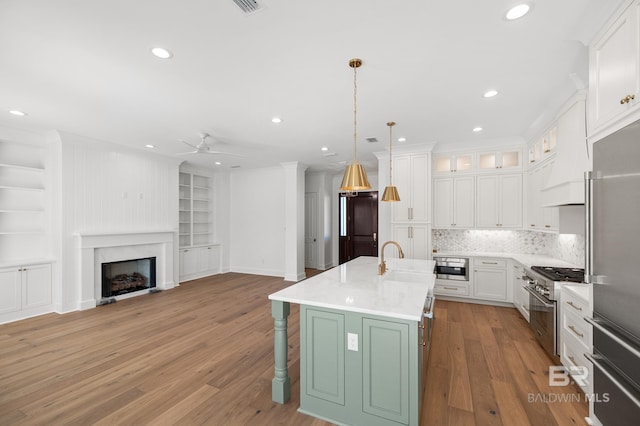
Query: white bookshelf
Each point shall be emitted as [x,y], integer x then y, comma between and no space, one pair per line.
[195,210]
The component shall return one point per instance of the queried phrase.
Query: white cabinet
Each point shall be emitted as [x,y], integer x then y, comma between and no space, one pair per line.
[195,210]
[490,279]
[520,295]
[539,217]
[23,201]
[453,202]
[198,262]
[614,74]
[501,160]
[576,333]
[499,201]
[451,163]
[25,291]
[412,178]
[415,240]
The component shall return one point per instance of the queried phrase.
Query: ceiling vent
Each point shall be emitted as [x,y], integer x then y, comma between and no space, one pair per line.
[248,6]
[372,140]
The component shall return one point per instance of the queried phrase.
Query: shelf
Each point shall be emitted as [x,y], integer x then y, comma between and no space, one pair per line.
[21,210]
[206,188]
[40,231]
[21,188]
[28,168]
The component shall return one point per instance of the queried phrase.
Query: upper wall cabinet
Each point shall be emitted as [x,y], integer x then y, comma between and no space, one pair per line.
[540,149]
[453,163]
[614,74]
[508,160]
[411,175]
[499,201]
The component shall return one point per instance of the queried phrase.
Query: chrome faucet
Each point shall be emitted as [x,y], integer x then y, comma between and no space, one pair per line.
[382,267]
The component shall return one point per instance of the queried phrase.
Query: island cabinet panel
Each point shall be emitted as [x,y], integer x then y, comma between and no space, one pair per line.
[385,369]
[325,355]
[374,381]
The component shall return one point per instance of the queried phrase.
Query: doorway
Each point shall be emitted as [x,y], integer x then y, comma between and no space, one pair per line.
[358,225]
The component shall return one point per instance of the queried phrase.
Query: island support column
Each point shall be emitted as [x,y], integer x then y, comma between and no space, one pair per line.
[281,384]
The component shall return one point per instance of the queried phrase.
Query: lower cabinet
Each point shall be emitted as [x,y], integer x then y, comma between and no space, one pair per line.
[520,295]
[576,336]
[25,291]
[198,262]
[360,369]
[490,279]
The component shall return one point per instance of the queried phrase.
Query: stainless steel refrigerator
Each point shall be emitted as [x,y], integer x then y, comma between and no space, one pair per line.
[613,267]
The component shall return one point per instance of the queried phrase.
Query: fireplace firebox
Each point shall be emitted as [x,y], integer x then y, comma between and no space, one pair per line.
[128,276]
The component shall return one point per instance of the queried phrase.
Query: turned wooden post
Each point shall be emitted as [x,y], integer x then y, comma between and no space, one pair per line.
[281,384]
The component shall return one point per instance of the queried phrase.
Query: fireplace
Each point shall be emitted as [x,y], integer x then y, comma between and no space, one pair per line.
[128,276]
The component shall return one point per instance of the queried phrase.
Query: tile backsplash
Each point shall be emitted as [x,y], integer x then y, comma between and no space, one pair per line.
[569,248]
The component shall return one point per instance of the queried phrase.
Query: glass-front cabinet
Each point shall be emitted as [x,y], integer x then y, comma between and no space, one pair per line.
[454,163]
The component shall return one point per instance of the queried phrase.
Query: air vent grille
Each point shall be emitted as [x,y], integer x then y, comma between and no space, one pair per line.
[248,6]
[371,140]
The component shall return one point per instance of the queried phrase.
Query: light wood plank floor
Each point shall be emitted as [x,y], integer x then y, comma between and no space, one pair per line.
[203,354]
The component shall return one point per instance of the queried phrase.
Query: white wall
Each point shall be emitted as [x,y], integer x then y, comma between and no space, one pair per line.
[257,221]
[103,187]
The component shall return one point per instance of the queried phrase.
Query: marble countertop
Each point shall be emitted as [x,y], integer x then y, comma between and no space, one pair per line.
[527,260]
[355,286]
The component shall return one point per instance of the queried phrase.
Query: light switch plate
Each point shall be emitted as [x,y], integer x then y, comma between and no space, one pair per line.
[352,342]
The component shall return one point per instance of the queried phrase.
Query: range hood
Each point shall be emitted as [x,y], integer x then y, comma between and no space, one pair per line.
[566,180]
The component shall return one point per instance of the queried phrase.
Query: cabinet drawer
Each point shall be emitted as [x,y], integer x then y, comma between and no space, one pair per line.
[489,262]
[451,289]
[572,357]
[573,304]
[577,327]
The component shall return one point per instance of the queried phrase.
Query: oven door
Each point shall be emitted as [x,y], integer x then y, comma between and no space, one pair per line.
[542,312]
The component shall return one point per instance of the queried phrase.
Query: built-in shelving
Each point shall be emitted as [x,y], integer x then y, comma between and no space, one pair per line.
[195,215]
[23,202]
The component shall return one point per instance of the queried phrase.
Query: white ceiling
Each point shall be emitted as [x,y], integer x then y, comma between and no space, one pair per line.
[85,67]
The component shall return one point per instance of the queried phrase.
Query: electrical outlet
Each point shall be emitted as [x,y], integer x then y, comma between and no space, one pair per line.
[352,342]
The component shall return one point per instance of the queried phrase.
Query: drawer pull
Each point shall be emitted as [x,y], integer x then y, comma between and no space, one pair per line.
[570,303]
[572,359]
[576,332]
[627,99]
[489,263]
[450,288]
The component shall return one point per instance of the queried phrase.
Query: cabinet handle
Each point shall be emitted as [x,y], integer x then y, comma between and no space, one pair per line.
[186,251]
[570,303]
[547,226]
[424,343]
[450,288]
[576,332]
[489,263]
[572,359]
[627,99]
[532,225]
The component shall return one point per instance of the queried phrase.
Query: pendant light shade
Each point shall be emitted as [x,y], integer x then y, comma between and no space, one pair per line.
[390,193]
[355,178]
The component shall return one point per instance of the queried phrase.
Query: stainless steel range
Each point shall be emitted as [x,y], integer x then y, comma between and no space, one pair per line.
[543,285]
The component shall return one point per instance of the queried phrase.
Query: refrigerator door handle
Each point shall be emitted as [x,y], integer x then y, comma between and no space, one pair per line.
[595,360]
[598,324]
[588,231]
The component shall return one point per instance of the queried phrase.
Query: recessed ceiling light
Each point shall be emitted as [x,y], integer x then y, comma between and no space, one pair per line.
[217,163]
[490,93]
[276,120]
[18,113]
[324,148]
[402,139]
[150,146]
[477,129]
[518,11]
[161,53]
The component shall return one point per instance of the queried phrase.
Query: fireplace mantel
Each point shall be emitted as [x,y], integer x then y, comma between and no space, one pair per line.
[96,247]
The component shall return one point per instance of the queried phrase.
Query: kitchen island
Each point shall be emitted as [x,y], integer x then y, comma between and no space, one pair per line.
[364,341]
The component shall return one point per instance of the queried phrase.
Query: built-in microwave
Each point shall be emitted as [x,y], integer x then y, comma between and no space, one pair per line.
[452,268]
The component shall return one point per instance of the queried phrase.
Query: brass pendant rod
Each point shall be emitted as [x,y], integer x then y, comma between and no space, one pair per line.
[355,111]
[390,124]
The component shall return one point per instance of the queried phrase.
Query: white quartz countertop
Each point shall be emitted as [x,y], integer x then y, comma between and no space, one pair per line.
[355,286]
[527,260]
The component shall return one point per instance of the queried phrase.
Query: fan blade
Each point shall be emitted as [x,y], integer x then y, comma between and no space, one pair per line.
[185,153]
[222,153]
[187,143]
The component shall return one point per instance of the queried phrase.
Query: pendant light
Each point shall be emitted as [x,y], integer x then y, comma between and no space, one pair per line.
[390,192]
[355,178]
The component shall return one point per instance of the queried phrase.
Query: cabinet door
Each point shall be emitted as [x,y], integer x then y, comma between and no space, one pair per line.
[385,368]
[402,235]
[420,242]
[614,70]
[36,286]
[490,283]
[420,188]
[487,202]
[402,179]
[510,202]
[464,202]
[10,292]
[443,202]
[549,216]
[188,262]
[534,218]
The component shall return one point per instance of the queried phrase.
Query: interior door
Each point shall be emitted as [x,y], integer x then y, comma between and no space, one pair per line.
[311,230]
[358,225]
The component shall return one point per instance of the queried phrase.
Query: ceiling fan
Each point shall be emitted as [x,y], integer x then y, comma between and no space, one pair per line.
[204,148]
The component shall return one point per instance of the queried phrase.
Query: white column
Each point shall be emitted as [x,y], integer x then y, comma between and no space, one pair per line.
[294,221]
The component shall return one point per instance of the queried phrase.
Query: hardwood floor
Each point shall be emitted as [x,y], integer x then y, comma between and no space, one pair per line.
[203,354]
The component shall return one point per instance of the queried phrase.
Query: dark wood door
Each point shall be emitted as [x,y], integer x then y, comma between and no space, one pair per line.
[358,218]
